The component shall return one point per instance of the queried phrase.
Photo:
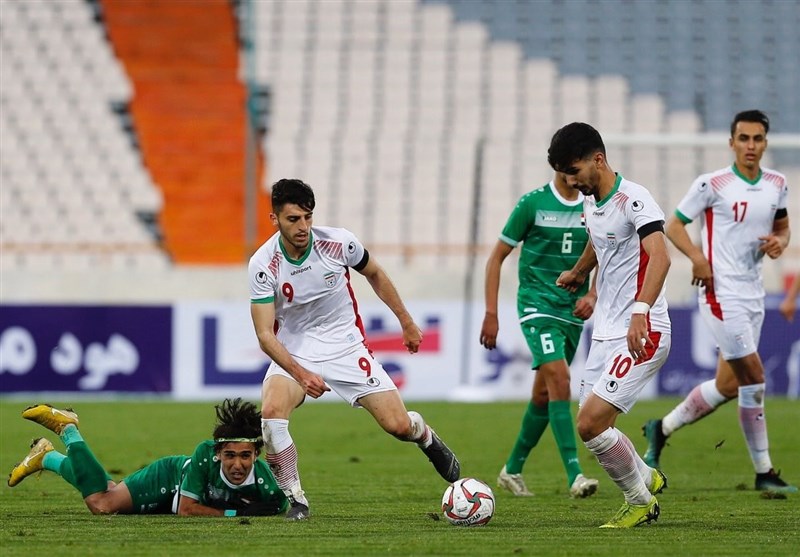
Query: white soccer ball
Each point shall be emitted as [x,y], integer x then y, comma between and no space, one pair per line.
[468,502]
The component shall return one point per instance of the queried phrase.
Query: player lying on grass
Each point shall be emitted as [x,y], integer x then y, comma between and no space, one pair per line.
[222,478]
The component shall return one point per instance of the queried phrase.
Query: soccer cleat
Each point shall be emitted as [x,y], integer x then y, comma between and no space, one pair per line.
[658,483]
[514,483]
[52,418]
[655,442]
[297,511]
[31,463]
[442,458]
[583,487]
[634,515]
[771,481]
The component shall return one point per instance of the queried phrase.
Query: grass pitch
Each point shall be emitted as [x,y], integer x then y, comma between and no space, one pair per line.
[371,494]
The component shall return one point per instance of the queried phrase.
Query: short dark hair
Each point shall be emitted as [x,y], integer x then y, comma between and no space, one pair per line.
[750,116]
[575,141]
[294,191]
[237,420]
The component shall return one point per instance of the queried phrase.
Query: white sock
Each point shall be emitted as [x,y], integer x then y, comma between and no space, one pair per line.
[420,432]
[644,470]
[281,455]
[617,459]
[701,401]
[754,425]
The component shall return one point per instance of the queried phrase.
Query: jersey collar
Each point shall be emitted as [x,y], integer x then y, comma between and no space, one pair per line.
[612,192]
[562,199]
[745,178]
[304,256]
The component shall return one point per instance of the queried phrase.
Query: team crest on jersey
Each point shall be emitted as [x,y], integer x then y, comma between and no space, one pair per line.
[637,206]
[261,277]
[583,220]
[612,239]
[330,280]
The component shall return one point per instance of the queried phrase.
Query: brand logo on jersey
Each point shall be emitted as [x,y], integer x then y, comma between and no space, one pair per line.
[261,277]
[637,206]
[301,270]
[612,386]
[702,186]
[612,239]
[330,280]
[548,218]
[373,382]
[599,213]
[351,247]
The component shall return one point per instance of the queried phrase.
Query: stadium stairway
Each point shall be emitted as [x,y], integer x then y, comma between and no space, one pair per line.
[189,111]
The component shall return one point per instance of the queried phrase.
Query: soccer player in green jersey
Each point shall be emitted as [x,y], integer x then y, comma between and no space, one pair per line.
[547,222]
[224,476]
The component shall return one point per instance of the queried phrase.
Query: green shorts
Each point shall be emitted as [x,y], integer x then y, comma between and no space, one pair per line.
[153,488]
[551,339]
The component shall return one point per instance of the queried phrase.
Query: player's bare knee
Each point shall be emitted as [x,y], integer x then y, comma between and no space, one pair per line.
[100,505]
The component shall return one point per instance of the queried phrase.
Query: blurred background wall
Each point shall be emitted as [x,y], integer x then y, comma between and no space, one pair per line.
[138,138]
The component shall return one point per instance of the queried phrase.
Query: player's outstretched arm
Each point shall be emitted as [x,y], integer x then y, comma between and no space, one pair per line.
[192,507]
[677,234]
[263,316]
[490,326]
[572,279]
[386,291]
[655,245]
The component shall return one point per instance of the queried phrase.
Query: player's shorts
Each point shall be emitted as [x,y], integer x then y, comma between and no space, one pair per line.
[550,339]
[738,333]
[154,488]
[612,375]
[351,376]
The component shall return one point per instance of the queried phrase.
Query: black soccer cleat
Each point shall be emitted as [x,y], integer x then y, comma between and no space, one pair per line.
[771,481]
[297,511]
[442,458]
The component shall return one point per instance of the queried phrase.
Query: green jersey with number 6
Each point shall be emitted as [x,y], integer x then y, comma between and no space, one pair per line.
[553,237]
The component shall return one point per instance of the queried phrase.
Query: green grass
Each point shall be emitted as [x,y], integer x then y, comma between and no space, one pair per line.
[371,494]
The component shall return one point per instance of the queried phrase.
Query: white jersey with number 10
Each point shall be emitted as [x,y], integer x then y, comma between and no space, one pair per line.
[613,223]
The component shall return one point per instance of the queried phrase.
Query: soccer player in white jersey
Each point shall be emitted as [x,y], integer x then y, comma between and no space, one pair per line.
[743,216]
[631,336]
[306,319]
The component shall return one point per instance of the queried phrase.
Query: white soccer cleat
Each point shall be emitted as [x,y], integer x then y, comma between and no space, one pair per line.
[583,487]
[513,483]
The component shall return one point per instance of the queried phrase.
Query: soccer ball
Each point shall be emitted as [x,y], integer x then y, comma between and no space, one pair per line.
[468,502]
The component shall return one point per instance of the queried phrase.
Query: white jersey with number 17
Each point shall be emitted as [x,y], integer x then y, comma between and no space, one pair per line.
[315,309]
[613,223]
[734,213]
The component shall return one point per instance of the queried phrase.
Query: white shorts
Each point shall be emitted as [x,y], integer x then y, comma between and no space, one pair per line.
[738,332]
[350,376]
[612,375]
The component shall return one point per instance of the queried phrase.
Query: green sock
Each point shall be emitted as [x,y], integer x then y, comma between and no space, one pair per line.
[59,463]
[564,432]
[534,422]
[82,471]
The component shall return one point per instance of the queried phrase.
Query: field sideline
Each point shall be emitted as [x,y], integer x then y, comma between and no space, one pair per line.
[372,495]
